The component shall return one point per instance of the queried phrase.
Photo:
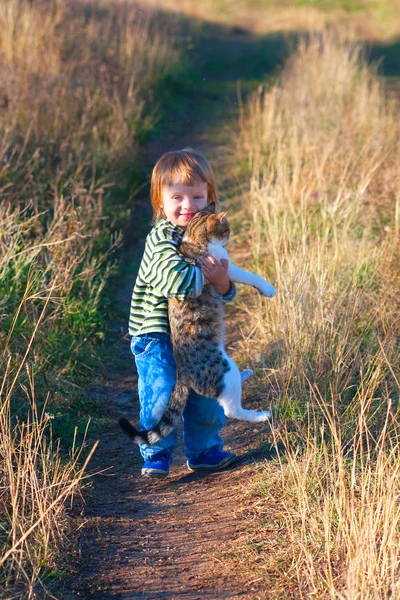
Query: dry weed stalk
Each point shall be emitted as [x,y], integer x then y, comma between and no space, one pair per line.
[36,483]
[324,152]
[343,512]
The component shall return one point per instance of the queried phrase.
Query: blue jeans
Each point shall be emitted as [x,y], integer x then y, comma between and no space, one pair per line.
[202,417]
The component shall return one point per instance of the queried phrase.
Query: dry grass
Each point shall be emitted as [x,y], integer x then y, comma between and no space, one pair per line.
[36,483]
[323,148]
[77,95]
[37,479]
[77,91]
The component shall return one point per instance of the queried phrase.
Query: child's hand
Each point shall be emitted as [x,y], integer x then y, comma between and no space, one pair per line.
[216,272]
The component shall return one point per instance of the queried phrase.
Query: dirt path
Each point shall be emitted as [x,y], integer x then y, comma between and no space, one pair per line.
[166,539]
[156,539]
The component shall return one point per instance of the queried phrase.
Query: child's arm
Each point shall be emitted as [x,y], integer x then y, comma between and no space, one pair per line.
[168,273]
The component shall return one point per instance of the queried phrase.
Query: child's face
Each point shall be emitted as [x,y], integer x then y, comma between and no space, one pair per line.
[181,202]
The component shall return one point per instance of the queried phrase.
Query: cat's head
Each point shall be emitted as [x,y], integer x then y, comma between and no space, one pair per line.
[208,226]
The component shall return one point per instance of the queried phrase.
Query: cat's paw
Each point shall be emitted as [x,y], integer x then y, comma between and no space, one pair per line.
[246,374]
[264,416]
[265,288]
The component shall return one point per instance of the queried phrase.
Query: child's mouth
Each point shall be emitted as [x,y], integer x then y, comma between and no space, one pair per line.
[188,215]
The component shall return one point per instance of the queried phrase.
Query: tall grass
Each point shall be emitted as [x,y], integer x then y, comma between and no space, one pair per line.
[323,149]
[37,483]
[78,91]
[78,94]
[37,478]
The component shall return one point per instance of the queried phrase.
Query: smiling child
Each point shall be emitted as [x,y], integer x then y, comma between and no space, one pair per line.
[182,184]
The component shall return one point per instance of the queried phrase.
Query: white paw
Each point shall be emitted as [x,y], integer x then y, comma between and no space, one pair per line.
[246,374]
[265,288]
[264,416]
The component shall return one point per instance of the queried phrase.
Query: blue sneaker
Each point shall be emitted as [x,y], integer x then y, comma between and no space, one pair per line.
[158,465]
[212,459]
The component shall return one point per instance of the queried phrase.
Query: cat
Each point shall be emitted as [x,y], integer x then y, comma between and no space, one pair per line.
[197,334]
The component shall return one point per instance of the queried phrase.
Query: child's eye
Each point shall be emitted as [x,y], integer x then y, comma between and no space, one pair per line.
[198,197]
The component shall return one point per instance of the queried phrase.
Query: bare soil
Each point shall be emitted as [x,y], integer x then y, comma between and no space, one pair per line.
[166,538]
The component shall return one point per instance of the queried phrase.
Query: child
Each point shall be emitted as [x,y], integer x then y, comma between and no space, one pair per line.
[182,184]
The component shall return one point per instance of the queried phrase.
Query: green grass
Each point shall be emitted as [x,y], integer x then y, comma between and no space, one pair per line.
[326,5]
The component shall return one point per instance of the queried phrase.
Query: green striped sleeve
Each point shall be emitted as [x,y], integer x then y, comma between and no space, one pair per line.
[162,274]
[171,276]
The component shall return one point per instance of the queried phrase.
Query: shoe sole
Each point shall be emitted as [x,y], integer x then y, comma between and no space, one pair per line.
[154,473]
[218,467]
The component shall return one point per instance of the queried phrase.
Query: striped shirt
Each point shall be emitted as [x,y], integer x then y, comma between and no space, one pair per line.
[163,274]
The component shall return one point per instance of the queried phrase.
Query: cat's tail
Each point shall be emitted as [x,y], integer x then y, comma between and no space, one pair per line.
[166,424]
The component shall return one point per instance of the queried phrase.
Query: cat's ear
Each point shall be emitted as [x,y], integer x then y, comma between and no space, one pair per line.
[210,208]
[222,215]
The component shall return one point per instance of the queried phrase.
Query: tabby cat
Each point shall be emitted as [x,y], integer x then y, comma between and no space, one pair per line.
[197,334]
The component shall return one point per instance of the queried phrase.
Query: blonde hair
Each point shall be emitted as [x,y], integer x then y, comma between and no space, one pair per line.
[183,167]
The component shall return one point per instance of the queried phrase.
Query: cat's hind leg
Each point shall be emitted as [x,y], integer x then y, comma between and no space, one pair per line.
[230,398]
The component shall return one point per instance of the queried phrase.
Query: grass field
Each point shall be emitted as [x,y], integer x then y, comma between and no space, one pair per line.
[82,88]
